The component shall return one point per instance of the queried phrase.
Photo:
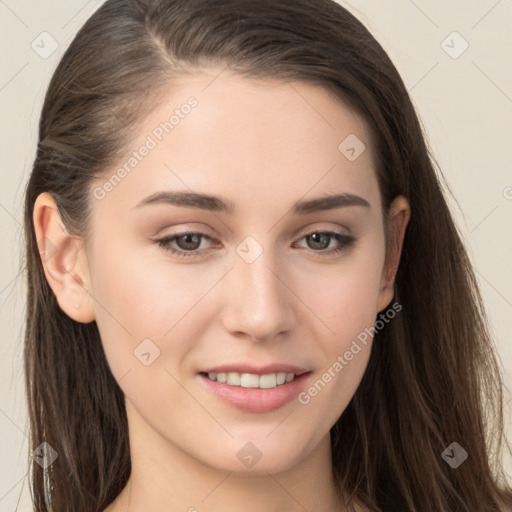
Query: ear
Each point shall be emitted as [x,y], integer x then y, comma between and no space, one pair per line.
[398,218]
[64,261]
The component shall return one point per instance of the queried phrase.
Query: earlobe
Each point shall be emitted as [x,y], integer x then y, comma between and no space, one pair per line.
[63,259]
[398,218]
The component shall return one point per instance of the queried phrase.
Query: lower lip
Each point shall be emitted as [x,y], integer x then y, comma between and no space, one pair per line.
[256,399]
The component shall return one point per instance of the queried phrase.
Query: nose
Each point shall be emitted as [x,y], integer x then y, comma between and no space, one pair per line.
[258,302]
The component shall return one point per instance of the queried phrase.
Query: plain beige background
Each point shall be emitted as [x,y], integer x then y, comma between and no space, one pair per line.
[454,58]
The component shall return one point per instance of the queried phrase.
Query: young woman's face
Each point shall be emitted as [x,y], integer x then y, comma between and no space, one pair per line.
[183,285]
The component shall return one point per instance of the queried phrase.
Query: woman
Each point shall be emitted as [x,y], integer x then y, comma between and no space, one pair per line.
[246,289]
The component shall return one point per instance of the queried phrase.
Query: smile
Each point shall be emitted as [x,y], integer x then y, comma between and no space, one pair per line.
[252,392]
[252,380]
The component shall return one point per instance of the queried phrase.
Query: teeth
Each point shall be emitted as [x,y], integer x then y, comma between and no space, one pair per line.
[268,381]
[248,380]
[251,380]
[233,379]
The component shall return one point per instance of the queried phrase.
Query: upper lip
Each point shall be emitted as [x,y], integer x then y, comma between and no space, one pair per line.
[257,370]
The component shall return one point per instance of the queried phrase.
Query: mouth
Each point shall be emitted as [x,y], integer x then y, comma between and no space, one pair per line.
[251,380]
[255,392]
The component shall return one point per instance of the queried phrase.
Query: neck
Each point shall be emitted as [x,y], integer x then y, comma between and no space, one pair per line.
[165,478]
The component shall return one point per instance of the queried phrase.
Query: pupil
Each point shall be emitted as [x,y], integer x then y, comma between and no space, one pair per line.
[317,237]
[187,238]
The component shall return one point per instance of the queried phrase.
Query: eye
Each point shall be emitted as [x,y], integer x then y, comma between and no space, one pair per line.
[189,243]
[322,239]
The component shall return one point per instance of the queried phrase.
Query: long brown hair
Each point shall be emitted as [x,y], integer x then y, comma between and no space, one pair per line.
[433,376]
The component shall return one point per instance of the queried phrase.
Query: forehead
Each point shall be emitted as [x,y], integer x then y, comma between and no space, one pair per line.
[221,133]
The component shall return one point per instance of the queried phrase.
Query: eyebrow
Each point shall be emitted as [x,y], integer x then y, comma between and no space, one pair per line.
[218,204]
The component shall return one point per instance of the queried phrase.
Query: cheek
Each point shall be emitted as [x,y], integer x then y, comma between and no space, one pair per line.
[349,311]
[345,296]
[346,301]
[137,299]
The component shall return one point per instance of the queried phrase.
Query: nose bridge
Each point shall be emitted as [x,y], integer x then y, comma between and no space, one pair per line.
[259,302]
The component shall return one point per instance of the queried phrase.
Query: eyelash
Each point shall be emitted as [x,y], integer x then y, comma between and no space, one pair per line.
[344,239]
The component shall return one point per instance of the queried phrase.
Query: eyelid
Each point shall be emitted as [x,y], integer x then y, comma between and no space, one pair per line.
[321,229]
[297,234]
[346,240]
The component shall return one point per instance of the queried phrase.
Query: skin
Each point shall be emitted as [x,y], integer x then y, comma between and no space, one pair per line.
[263,145]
